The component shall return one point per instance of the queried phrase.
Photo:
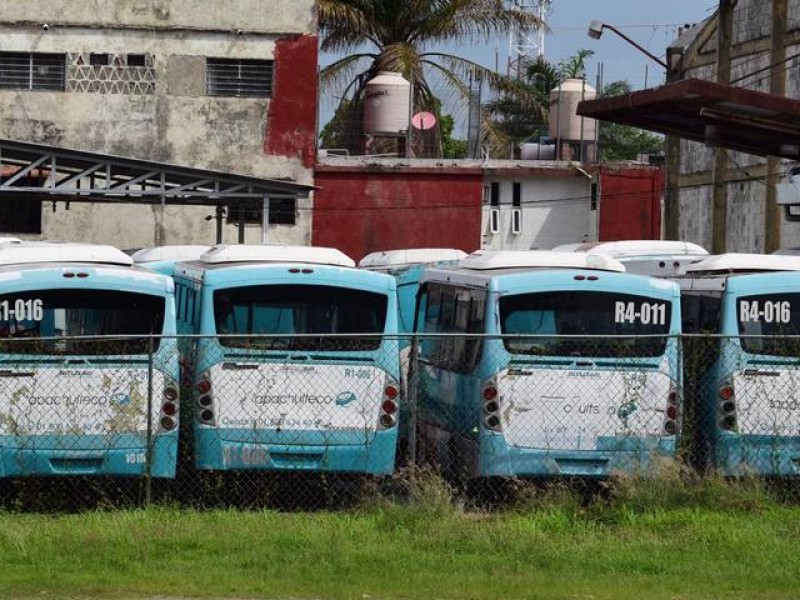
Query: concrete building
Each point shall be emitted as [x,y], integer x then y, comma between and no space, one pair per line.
[227,86]
[365,204]
[726,200]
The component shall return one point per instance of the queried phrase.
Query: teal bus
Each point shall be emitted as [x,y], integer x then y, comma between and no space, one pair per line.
[295,363]
[742,316]
[541,364]
[88,363]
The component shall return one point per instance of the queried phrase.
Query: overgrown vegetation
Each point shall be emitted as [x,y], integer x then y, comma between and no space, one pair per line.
[669,536]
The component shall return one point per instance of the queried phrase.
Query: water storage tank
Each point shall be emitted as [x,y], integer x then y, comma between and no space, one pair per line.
[387,104]
[537,151]
[565,123]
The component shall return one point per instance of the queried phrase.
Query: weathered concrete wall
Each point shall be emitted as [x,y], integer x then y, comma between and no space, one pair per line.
[745,174]
[273,16]
[361,208]
[171,119]
[695,210]
[630,203]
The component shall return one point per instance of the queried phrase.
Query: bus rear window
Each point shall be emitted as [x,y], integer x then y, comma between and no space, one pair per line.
[87,312]
[289,310]
[769,318]
[626,317]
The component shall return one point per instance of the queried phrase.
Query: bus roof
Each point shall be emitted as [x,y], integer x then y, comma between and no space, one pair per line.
[388,259]
[484,260]
[173,252]
[222,254]
[9,240]
[733,262]
[61,252]
[638,248]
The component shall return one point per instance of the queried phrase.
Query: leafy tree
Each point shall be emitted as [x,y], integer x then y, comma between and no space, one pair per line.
[394,35]
[624,142]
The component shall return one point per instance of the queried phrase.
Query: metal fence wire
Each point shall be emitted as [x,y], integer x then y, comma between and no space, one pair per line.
[311,421]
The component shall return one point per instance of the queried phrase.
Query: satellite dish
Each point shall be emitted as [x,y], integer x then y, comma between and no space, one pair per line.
[423,121]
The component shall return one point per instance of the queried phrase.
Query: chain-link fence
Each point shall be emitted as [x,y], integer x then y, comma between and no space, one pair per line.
[310,421]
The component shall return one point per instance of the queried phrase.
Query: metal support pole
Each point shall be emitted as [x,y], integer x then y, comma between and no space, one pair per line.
[148,460]
[242,208]
[265,221]
[218,216]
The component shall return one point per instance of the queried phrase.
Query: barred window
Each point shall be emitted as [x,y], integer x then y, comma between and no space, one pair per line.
[238,77]
[281,212]
[32,71]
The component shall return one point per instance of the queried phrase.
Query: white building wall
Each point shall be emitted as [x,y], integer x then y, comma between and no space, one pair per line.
[554,210]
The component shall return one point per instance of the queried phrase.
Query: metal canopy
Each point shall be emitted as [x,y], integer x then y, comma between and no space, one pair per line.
[78,176]
[713,113]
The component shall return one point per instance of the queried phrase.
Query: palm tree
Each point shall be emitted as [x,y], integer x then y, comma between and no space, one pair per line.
[513,119]
[397,35]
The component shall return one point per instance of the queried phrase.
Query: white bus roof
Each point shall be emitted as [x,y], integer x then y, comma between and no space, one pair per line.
[61,252]
[411,256]
[626,248]
[530,259]
[276,254]
[174,252]
[743,263]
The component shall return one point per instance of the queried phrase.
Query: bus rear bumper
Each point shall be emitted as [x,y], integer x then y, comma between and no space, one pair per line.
[622,455]
[375,457]
[22,456]
[768,455]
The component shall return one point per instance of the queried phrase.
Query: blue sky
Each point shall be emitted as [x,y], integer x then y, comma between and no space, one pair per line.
[651,23]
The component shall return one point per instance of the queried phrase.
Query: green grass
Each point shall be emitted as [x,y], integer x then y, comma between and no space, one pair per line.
[709,542]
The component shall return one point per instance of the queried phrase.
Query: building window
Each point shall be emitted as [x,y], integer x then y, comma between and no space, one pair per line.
[516,195]
[99,60]
[282,211]
[32,71]
[494,197]
[137,60]
[20,215]
[238,77]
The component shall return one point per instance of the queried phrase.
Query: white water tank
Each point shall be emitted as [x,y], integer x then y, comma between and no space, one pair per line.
[565,123]
[387,104]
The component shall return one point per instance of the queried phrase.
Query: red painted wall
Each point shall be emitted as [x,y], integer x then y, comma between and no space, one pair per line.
[292,119]
[363,210]
[630,203]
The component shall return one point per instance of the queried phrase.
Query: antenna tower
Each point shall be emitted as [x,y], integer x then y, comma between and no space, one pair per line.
[526,46]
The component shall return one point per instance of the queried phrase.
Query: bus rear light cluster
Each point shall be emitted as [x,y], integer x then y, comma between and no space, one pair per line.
[205,401]
[491,406]
[388,416]
[169,407]
[727,407]
[672,413]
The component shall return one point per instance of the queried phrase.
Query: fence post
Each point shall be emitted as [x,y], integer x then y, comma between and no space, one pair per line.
[149,448]
[411,397]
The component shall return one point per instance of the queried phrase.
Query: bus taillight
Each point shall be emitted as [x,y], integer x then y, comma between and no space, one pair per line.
[205,400]
[169,407]
[727,407]
[491,406]
[672,413]
[388,416]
